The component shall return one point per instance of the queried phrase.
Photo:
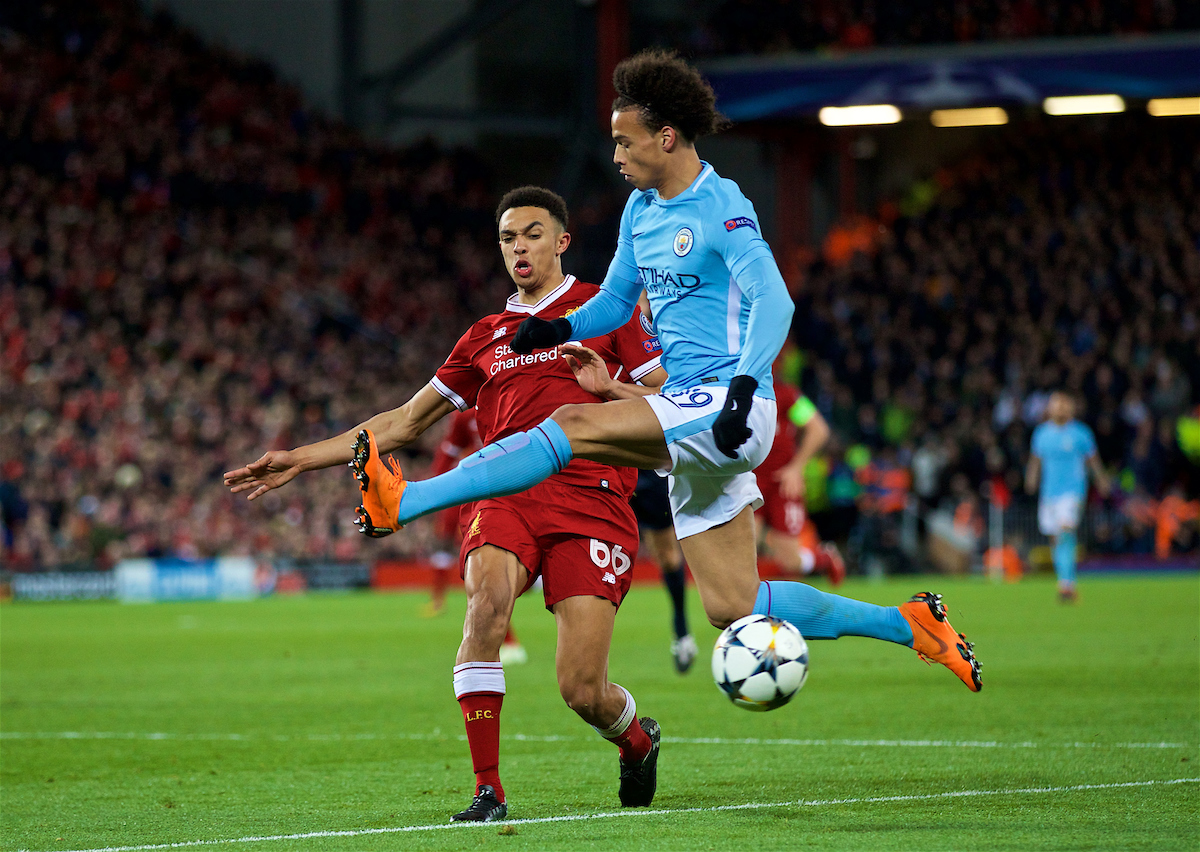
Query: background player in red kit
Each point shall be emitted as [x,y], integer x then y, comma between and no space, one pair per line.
[462,439]
[800,433]
[575,529]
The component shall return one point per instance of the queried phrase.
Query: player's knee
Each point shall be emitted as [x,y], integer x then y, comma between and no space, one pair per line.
[723,614]
[580,694]
[573,419]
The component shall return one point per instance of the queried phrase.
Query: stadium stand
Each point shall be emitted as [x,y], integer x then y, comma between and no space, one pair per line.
[195,268]
[1052,260]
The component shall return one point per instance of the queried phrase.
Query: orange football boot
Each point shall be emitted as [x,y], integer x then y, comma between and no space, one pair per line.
[382,484]
[935,640]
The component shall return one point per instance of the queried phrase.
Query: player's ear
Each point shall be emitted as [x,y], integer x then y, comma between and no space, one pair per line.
[670,138]
[564,240]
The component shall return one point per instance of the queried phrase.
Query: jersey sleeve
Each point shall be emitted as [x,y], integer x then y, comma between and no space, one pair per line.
[1035,443]
[1087,442]
[802,411]
[737,238]
[614,304]
[638,350]
[752,265]
[457,379]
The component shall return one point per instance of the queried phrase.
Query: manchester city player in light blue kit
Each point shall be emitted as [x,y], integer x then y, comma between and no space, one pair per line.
[1062,452]
[721,312]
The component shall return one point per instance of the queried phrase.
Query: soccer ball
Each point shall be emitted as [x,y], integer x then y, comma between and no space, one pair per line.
[760,662]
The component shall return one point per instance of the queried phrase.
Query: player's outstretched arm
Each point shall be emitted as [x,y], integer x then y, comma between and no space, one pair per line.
[592,374]
[814,433]
[1103,485]
[1033,474]
[393,429]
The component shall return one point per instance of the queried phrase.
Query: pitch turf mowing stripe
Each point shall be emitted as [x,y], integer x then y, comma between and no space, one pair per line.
[116,735]
[639,812]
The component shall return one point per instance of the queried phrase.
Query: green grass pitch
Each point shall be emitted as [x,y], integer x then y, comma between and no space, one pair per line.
[133,726]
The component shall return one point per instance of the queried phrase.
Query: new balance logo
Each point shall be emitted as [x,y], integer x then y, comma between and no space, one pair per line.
[609,578]
[500,332]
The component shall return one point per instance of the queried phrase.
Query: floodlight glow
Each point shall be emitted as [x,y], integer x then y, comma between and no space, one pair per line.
[866,114]
[1083,104]
[973,117]
[1173,106]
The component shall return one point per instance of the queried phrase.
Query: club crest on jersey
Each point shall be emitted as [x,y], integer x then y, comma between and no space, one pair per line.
[683,241]
[740,222]
[647,326]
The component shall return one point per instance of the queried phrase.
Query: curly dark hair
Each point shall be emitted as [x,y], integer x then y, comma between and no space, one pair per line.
[667,91]
[534,196]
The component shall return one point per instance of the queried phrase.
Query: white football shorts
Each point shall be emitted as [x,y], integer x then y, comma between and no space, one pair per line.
[1059,514]
[707,487]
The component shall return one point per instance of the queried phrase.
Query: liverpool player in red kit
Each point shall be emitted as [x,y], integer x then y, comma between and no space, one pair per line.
[575,529]
[800,433]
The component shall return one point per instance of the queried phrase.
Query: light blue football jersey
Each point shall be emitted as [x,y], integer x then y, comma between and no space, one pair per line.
[696,256]
[1063,451]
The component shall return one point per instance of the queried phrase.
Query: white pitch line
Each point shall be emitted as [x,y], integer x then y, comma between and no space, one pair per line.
[534,738]
[747,806]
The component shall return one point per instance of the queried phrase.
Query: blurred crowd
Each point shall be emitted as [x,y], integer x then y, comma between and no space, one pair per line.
[775,26]
[1052,261]
[195,268]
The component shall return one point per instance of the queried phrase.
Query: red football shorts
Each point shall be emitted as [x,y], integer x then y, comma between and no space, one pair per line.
[581,541]
[777,512]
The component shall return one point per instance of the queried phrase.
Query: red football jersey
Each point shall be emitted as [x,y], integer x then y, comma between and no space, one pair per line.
[513,393]
[783,449]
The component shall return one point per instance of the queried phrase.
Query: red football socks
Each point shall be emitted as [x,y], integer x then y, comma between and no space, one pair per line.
[627,732]
[634,743]
[481,714]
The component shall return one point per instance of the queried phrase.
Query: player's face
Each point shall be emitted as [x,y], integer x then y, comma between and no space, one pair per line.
[1060,408]
[640,154]
[531,242]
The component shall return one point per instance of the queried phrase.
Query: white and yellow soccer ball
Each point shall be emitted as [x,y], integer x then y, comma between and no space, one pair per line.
[760,662]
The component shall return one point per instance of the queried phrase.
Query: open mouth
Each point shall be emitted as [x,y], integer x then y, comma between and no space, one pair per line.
[523,268]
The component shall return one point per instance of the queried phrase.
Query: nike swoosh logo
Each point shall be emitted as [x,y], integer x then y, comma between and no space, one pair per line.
[943,648]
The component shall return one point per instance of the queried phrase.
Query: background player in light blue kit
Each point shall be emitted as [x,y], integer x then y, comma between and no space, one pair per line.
[1063,450]
[721,312]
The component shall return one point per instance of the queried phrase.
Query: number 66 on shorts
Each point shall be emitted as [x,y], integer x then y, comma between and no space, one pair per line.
[611,559]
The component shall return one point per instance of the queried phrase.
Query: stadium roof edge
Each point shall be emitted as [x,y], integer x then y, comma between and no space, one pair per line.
[1076,46]
[923,78]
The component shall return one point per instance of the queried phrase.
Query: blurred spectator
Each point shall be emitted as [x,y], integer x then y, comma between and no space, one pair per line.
[1038,264]
[195,268]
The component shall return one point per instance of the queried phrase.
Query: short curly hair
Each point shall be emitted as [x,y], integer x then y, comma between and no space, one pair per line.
[667,91]
[534,196]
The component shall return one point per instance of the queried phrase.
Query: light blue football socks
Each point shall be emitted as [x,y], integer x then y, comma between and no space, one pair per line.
[820,615]
[508,466]
[1064,557]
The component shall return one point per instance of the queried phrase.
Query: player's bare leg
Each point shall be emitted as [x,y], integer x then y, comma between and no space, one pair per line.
[585,627]
[785,550]
[800,561]
[493,579]
[725,567]
[623,432]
